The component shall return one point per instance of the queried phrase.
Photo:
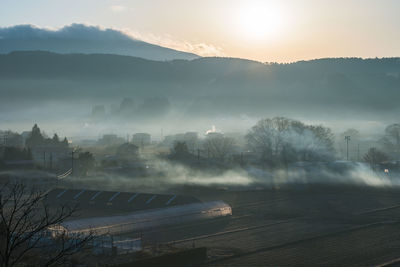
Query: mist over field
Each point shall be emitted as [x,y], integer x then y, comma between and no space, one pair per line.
[174,176]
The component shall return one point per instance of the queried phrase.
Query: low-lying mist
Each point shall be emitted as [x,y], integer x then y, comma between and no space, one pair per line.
[75,121]
[175,175]
[170,176]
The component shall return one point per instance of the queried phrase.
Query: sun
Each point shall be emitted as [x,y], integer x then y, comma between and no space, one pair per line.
[257,20]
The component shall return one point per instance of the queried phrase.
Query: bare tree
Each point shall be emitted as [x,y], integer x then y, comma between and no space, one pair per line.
[218,146]
[266,138]
[180,149]
[375,156]
[391,140]
[24,228]
[281,141]
[320,143]
[86,162]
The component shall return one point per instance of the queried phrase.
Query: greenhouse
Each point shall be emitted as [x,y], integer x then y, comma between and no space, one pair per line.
[140,220]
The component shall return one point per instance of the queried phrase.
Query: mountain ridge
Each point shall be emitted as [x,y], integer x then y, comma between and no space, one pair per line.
[80,38]
[208,86]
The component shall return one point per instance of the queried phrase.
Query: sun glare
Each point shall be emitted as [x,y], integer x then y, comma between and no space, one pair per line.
[257,20]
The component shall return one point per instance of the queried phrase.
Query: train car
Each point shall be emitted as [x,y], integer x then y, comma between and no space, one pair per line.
[141,220]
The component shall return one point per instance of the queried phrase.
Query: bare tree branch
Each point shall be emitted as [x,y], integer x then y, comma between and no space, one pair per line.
[24,227]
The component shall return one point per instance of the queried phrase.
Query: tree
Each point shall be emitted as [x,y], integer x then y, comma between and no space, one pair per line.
[35,138]
[14,153]
[265,138]
[86,162]
[218,146]
[191,139]
[25,220]
[282,141]
[65,142]
[11,139]
[375,156]
[128,151]
[320,143]
[56,139]
[180,149]
[391,140]
[38,138]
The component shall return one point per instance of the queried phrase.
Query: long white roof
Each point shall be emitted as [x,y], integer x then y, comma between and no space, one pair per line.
[99,223]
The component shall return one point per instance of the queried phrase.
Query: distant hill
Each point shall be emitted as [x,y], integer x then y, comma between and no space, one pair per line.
[78,38]
[40,64]
[209,86]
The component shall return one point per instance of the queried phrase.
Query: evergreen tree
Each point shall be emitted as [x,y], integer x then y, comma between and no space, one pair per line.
[35,138]
[56,140]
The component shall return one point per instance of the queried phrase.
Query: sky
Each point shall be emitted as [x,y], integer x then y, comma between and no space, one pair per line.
[267,31]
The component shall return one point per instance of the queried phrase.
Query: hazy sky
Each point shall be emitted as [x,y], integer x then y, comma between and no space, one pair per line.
[284,30]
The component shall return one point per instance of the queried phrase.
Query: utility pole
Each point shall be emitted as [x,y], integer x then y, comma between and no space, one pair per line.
[347,138]
[44,159]
[72,162]
[5,139]
[51,161]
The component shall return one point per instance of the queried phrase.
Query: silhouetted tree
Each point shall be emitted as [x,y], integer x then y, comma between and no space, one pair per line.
[375,156]
[391,140]
[35,138]
[55,139]
[127,152]
[14,153]
[86,162]
[191,139]
[10,138]
[218,146]
[38,138]
[65,142]
[319,143]
[282,141]
[24,222]
[180,149]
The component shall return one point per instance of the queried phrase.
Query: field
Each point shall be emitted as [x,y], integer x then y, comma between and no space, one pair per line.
[303,226]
